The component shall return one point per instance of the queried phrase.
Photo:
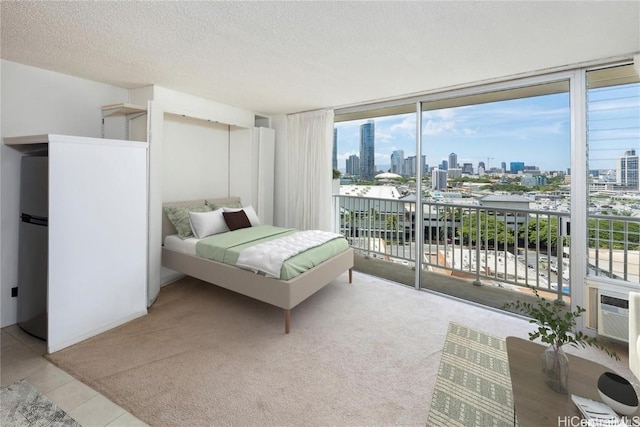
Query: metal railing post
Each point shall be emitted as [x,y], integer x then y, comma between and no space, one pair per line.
[477,281]
[560,257]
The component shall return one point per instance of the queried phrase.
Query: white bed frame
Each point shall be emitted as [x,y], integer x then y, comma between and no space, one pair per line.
[285,294]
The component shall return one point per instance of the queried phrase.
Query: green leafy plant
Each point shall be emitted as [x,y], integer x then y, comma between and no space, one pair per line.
[556,325]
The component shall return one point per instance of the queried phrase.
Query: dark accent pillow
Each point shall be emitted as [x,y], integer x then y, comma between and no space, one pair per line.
[236,220]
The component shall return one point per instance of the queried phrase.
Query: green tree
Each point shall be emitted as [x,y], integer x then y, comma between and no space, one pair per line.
[493,232]
[612,234]
[391,223]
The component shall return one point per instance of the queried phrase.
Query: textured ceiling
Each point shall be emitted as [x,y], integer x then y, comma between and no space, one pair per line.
[281,57]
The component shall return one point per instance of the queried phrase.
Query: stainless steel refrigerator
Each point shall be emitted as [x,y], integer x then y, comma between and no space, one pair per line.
[33,245]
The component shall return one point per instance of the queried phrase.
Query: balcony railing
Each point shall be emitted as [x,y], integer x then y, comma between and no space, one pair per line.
[614,247]
[489,245]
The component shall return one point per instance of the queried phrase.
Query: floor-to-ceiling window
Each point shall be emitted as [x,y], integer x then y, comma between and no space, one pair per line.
[613,135]
[499,167]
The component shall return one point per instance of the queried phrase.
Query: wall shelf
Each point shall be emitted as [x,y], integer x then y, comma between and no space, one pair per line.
[129,111]
[32,144]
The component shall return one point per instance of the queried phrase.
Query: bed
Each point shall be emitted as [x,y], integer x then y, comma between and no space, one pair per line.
[282,293]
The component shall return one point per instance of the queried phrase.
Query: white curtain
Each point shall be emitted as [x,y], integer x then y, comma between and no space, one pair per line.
[309,175]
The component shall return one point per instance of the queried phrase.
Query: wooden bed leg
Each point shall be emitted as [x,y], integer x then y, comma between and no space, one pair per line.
[351,275]
[287,320]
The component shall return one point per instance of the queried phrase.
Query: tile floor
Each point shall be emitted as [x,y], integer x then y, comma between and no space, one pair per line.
[21,358]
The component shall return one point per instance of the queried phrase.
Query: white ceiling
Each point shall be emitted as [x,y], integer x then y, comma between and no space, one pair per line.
[281,57]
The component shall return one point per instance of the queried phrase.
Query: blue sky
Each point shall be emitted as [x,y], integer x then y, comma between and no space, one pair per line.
[533,130]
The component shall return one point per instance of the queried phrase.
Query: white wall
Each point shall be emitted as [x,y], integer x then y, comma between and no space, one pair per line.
[36,101]
[199,156]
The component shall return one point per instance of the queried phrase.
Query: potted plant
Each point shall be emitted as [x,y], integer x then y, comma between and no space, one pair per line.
[556,327]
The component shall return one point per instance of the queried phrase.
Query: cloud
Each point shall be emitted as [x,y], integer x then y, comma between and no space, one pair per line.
[438,128]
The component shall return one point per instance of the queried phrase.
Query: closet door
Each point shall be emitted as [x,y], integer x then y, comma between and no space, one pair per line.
[243,157]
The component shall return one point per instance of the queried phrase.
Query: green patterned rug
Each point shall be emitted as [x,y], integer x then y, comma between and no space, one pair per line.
[473,387]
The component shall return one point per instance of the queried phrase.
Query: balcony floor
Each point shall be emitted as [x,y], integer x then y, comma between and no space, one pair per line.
[446,284]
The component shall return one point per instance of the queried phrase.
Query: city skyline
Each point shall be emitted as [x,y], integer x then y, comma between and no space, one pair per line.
[533,130]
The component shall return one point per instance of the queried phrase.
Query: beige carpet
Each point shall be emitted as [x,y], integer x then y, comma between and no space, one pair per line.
[365,353]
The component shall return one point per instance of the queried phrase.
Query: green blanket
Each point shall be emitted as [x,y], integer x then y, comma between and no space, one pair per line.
[226,247]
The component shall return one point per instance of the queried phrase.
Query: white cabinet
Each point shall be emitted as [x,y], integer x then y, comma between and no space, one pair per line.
[251,169]
[97,250]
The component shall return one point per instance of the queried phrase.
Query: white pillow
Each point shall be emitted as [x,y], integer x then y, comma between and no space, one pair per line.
[249,211]
[205,224]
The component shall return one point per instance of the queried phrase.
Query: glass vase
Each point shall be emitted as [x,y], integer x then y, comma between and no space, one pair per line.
[555,366]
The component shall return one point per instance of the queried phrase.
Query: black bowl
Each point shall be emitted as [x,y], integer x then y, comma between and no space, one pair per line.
[618,393]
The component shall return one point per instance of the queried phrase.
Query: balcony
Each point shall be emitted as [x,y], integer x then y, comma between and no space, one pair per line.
[490,255]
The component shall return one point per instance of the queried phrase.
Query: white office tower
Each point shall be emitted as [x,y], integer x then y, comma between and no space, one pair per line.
[627,170]
[439,179]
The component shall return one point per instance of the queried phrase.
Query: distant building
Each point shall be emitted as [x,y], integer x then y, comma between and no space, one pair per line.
[516,167]
[481,165]
[367,150]
[505,201]
[353,165]
[397,162]
[528,168]
[503,166]
[453,161]
[627,170]
[410,167]
[467,168]
[438,179]
[444,165]
[530,180]
[454,173]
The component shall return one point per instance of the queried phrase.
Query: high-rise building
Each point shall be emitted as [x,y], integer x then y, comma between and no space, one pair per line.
[353,165]
[516,167]
[397,162]
[503,166]
[438,179]
[334,158]
[367,150]
[444,165]
[467,168]
[410,167]
[453,161]
[481,165]
[627,170]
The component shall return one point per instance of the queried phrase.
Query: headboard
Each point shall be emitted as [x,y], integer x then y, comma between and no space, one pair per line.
[168,228]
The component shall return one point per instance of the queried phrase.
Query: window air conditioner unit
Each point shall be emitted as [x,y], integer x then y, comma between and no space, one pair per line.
[613,315]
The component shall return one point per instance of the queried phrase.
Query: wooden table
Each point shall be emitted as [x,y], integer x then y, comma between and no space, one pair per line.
[535,403]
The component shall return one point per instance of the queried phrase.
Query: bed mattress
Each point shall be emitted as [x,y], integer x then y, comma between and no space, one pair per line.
[226,247]
[175,243]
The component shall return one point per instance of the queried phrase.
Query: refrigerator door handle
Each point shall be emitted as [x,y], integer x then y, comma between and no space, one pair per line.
[33,219]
